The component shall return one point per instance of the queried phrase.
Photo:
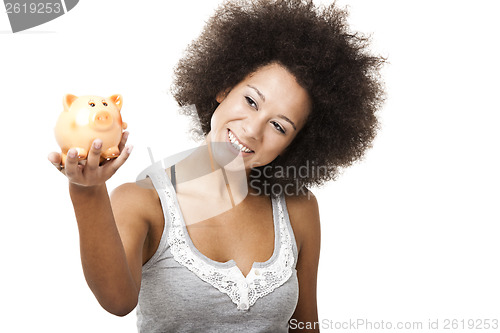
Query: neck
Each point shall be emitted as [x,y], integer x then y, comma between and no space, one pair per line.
[201,175]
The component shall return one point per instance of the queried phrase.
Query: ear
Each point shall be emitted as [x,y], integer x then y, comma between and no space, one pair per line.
[118,100]
[68,99]
[222,95]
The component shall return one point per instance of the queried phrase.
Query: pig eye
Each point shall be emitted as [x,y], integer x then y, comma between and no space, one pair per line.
[92,104]
[104,103]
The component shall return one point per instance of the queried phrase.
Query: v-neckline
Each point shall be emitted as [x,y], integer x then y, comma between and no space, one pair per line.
[230,263]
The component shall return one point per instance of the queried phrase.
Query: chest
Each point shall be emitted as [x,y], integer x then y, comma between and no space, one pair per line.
[253,244]
[245,234]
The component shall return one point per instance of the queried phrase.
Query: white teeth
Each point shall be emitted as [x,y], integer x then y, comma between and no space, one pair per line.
[237,144]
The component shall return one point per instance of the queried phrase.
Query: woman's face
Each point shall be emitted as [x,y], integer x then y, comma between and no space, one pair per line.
[260,116]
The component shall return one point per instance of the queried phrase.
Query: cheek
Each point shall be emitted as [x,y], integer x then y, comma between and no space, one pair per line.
[284,145]
[275,147]
[220,114]
[213,122]
[215,119]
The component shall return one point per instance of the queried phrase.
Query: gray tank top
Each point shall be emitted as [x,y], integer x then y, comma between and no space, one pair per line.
[182,290]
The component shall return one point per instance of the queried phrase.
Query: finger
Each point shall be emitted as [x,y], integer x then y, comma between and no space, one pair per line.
[94,155]
[72,169]
[113,166]
[55,159]
[123,141]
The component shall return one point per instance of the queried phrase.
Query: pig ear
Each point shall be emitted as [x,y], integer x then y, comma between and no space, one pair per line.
[118,100]
[68,100]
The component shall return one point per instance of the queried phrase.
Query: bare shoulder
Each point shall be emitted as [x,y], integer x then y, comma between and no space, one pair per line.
[304,217]
[138,198]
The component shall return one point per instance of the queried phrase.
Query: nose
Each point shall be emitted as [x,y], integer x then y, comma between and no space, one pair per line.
[254,126]
[102,119]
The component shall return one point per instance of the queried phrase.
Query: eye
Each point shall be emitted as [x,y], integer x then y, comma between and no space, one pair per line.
[278,127]
[92,104]
[104,103]
[251,102]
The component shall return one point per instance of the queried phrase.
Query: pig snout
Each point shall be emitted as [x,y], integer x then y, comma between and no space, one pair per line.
[102,120]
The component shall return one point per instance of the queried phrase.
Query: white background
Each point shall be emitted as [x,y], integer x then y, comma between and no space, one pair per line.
[408,234]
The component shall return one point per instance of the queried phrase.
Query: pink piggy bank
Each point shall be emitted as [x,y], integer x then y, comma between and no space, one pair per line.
[87,118]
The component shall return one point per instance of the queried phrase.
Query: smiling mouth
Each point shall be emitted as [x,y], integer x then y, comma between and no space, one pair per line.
[236,144]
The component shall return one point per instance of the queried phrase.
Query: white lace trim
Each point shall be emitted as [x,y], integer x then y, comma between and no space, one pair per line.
[243,291]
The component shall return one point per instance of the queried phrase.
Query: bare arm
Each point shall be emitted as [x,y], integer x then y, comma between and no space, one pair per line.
[108,262]
[305,220]
[102,252]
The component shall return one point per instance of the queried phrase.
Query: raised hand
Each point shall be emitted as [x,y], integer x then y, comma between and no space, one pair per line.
[93,172]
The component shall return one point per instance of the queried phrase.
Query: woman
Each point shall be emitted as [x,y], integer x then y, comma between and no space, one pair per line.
[282,85]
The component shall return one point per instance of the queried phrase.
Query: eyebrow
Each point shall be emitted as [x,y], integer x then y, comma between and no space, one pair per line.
[285,118]
[258,92]
[288,120]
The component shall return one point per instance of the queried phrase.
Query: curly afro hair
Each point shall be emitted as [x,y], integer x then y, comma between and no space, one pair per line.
[314,44]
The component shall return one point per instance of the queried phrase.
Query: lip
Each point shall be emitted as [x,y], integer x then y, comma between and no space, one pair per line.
[234,149]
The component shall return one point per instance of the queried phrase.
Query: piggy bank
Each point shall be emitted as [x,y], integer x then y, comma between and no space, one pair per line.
[87,118]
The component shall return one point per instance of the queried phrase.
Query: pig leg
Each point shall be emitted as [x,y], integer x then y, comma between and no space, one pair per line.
[63,159]
[111,152]
[82,154]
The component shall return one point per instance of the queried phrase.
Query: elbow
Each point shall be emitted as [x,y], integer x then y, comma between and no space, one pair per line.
[120,308]
[122,312]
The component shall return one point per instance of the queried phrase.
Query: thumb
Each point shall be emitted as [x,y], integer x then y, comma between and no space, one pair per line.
[55,159]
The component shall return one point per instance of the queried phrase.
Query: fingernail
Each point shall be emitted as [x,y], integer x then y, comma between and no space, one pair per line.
[97,144]
[72,153]
[129,149]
